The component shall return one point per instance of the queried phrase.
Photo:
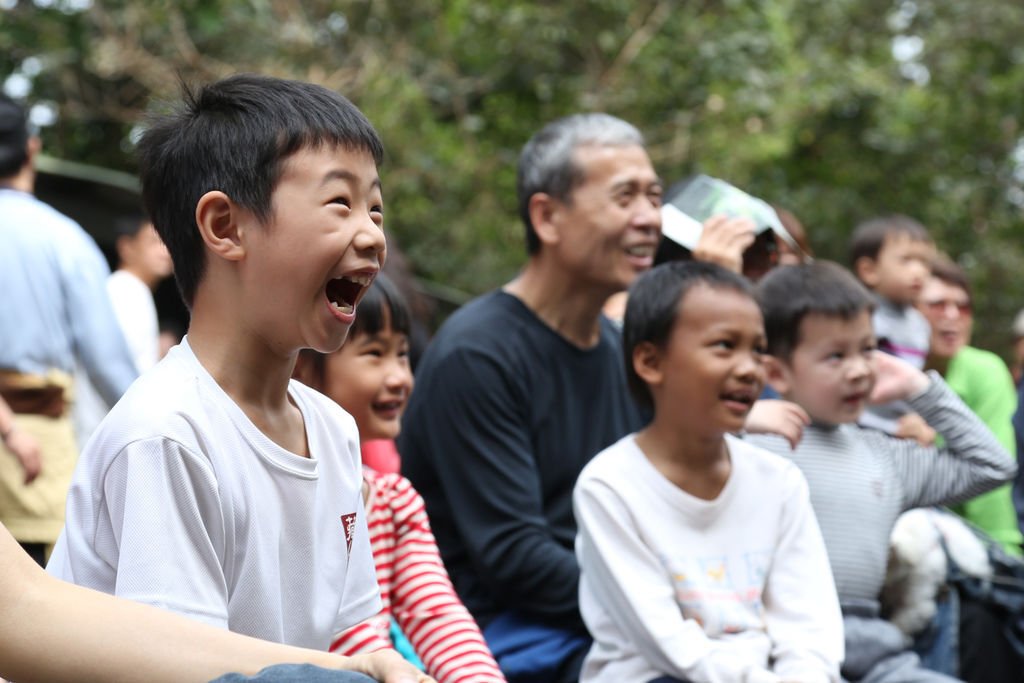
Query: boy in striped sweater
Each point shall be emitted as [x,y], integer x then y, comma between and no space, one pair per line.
[822,356]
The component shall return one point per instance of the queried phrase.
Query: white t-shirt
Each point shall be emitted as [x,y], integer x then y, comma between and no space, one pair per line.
[711,591]
[179,501]
[136,312]
[136,316]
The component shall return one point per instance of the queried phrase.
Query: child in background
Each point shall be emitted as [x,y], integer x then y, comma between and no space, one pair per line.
[892,257]
[142,262]
[701,560]
[370,377]
[823,357]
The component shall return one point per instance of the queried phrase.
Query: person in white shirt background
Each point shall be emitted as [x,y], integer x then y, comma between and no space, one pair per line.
[143,262]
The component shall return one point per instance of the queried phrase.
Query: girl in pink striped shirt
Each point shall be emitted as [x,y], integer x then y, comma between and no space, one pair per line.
[370,377]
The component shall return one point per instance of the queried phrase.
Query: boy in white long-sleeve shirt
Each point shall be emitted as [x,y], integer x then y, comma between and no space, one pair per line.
[701,559]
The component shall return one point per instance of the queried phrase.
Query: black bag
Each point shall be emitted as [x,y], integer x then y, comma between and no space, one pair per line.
[1003,593]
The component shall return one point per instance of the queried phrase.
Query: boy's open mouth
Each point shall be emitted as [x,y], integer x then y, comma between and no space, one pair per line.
[344,292]
[741,398]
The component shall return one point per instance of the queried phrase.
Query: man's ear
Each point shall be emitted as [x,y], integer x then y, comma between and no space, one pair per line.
[866,270]
[778,374]
[647,363]
[220,223]
[544,210]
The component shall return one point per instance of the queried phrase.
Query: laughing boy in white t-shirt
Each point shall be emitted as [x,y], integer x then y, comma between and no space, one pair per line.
[217,487]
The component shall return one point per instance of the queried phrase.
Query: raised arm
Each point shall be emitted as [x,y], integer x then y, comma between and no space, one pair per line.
[971,462]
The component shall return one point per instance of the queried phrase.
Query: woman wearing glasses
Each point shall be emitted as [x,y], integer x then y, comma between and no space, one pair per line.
[981,379]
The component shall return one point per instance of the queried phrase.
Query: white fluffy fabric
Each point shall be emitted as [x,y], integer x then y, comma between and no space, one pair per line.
[918,567]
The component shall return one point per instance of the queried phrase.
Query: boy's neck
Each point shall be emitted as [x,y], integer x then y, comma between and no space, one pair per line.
[891,303]
[253,375]
[699,465]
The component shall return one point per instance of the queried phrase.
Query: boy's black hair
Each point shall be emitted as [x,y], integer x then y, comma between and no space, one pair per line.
[654,303]
[14,135]
[382,306]
[869,237]
[234,135]
[789,293]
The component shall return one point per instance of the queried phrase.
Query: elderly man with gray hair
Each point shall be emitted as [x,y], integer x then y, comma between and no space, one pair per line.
[521,387]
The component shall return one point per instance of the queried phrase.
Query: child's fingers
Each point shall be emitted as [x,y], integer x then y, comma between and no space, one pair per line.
[793,431]
[774,416]
[799,413]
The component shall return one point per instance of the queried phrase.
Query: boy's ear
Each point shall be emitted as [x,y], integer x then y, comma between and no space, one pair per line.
[866,270]
[219,222]
[647,363]
[543,209]
[778,374]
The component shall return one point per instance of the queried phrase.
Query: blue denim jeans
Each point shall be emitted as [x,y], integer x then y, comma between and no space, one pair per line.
[938,644]
[296,673]
[529,651]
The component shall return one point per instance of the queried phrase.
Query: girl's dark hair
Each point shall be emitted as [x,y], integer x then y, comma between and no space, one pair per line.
[382,306]
[655,301]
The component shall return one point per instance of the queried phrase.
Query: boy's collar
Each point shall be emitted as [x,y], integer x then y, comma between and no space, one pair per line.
[885,302]
[824,426]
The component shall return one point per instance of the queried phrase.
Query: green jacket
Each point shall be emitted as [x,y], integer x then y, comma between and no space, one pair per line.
[981,379]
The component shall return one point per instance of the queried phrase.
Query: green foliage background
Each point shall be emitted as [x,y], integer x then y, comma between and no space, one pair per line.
[802,102]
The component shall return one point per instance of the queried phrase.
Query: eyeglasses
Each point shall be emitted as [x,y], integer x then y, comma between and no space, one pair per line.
[943,305]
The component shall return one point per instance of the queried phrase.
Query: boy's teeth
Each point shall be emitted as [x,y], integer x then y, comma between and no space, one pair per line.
[360,279]
[343,307]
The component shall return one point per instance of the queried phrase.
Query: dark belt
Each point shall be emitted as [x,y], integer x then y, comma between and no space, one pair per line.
[45,399]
